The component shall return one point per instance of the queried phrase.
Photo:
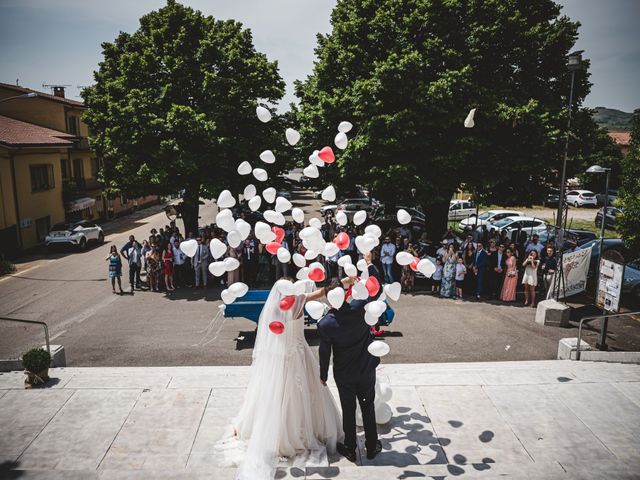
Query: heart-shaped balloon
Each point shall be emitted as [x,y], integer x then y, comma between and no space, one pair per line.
[345,127]
[341,218]
[302,286]
[298,215]
[279,234]
[231,264]
[374,230]
[403,216]
[225,220]
[217,269]
[225,199]
[468,122]
[276,327]
[261,229]
[303,273]
[315,309]
[378,349]
[426,267]
[260,174]
[287,302]
[365,243]
[342,240]
[393,291]
[268,157]
[414,264]
[299,260]
[273,247]
[243,227]
[269,194]
[311,254]
[292,136]
[244,168]
[263,114]
[227,296]
[282,204]
[216,247]
[285,287]
[404,258]
[383,392]
[284,256]
[329,194]
[327,155]
[373,286]
[249,191]
[359,291]
[362,265]
[239,289]
[344,260]
[376,307]
[336,297]
[341,140]
[316,274]
[359,217]
[370,318]
[314,159]
[189,247]
[234,238]
[274,217]
[350,270]
[311,171]
[254,203]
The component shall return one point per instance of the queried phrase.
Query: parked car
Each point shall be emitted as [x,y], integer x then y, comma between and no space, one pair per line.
[612,249]
[552,199]
[610,218]
[581,198]
[385,221]
[459,209]
[529,224]
[284,194]
[77,234]
[631,281]
[487,217]
[613,196]
[365,203]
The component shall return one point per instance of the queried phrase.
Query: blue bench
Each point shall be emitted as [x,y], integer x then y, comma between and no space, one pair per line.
[250,307]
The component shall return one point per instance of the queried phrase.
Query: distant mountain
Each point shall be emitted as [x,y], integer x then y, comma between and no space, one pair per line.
[612,119]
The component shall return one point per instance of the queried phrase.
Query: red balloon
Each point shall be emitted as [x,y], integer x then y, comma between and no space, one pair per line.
[276,327]
[326,155]
[287,302]
[273,247]
[373,286]
[317,275]
[414,264]
[342,241]
[279,234]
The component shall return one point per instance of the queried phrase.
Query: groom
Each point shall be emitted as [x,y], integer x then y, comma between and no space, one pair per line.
[354,368]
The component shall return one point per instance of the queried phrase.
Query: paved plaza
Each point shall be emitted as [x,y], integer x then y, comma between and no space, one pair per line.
[534,420]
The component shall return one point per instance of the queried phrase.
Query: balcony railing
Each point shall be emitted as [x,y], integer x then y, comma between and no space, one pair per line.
[73,188]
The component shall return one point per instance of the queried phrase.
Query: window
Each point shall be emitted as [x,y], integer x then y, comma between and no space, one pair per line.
[73,125]
[123,199]
[41,177]
[42,228]
[65,168]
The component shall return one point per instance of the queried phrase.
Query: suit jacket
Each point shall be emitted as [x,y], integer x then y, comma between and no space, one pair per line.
[480,261]
[493,262]
[198,258]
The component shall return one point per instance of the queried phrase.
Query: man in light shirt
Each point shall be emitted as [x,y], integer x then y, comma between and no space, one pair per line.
[179,260]
[387,254]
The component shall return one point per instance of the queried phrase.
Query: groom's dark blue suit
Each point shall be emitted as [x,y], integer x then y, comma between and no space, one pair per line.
[354,369]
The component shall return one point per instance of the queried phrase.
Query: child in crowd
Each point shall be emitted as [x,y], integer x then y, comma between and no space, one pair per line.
[461,271]
[436,278]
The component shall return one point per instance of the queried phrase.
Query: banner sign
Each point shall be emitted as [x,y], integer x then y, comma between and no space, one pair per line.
[575,266]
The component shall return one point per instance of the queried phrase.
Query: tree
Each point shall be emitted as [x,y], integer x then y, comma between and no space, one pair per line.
[173,107]
[406,72]
[628,223]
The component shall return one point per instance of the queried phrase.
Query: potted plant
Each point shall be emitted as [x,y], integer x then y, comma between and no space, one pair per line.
[36,367]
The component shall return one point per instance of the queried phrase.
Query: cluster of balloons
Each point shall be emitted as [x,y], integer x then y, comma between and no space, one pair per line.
[381,404]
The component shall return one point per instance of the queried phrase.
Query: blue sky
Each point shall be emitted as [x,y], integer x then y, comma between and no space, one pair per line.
[58,41]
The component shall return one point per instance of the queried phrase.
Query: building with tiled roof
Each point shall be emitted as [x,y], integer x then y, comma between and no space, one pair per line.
[623,139]
[18,134]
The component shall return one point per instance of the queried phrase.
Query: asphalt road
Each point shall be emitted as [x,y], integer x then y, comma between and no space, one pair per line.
[71,292]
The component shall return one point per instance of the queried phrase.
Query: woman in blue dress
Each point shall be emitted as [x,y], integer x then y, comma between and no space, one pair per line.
[115,268]
[449,260]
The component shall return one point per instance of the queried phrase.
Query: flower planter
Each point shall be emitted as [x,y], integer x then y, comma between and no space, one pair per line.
[36,379]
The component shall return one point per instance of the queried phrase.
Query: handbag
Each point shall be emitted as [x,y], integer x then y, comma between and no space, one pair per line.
[512,273]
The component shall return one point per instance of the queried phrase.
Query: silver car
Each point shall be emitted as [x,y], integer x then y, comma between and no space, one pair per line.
[77,234]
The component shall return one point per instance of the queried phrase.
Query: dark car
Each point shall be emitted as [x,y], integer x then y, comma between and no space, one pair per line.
[612,249]
[552,199]
[610,217]
[613,195]
[631,281]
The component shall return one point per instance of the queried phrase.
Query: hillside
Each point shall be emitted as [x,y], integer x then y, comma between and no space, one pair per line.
[612,119]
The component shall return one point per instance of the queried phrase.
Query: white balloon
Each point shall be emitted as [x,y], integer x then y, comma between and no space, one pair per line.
[303,273]
[311,171]
[341,218]
[393,291]
[274,217]
[234,238]
[249,191]
[244,168]
[299,260]
[260,174]
[336,297]
[301,286]
[231,264]
[365,243]
[383,392]
[227,296]
[378,348]
[310,231]
[243,228]
[350,270]
[282,204]
[224,220]
[239,289]
[329,194]
[345,127]
[403,216]
[330,249]
[370,318]
[316,265]
[315,223]
[254,203]
[468,122]
[311,254]
[263,114]
[359,217]
[269,194]
[292,136]
[268,157]
[359,290]
[404,258]
[362,265]
[189,247]
[383,412]
[359,421]
[298,215]
[217,269]
[285,287]
[376,307]
[263,232]
[341,140]
[315,309]
[216,247]
[374,230]
[284,256]
[344,260]
[225,199]
[314,159]
[426,267]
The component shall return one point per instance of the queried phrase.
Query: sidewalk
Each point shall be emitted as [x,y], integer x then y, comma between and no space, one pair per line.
[536,420]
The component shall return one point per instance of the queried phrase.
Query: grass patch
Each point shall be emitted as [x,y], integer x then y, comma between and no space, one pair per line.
[581,224]
[6,267]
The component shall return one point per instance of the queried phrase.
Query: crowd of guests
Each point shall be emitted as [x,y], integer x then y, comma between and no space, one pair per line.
[487,265]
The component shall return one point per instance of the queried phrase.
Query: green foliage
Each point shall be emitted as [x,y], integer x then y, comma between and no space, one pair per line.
[173,106]
[6,267]
[629,221]
[612,119]
[36,360]
[406,73]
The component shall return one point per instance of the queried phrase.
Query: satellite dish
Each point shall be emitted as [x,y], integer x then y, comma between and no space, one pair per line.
[171,212]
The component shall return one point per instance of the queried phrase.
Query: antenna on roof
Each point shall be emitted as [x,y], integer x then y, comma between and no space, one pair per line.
[58,90]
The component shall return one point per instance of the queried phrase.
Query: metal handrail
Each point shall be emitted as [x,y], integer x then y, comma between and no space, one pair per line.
[598,317]
[33,322]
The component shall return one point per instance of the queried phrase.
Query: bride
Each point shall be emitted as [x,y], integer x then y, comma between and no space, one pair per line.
[287,412]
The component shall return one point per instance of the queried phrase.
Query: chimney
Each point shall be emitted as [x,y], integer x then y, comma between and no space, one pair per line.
[58,91]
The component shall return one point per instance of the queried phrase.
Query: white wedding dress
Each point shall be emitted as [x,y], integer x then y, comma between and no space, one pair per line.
[286,412]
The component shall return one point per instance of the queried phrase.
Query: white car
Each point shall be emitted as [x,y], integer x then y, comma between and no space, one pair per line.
[363,201]
[488,217]
[77,234]
[581,198]
[461,209]
[528,224]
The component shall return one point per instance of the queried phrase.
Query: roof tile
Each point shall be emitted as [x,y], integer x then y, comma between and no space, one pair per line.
[16,133]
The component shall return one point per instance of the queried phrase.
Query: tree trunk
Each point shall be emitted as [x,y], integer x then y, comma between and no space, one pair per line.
[189,209]
[437,218]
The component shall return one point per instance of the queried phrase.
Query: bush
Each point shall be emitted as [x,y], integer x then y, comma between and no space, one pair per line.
[6,267]
[36,360]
